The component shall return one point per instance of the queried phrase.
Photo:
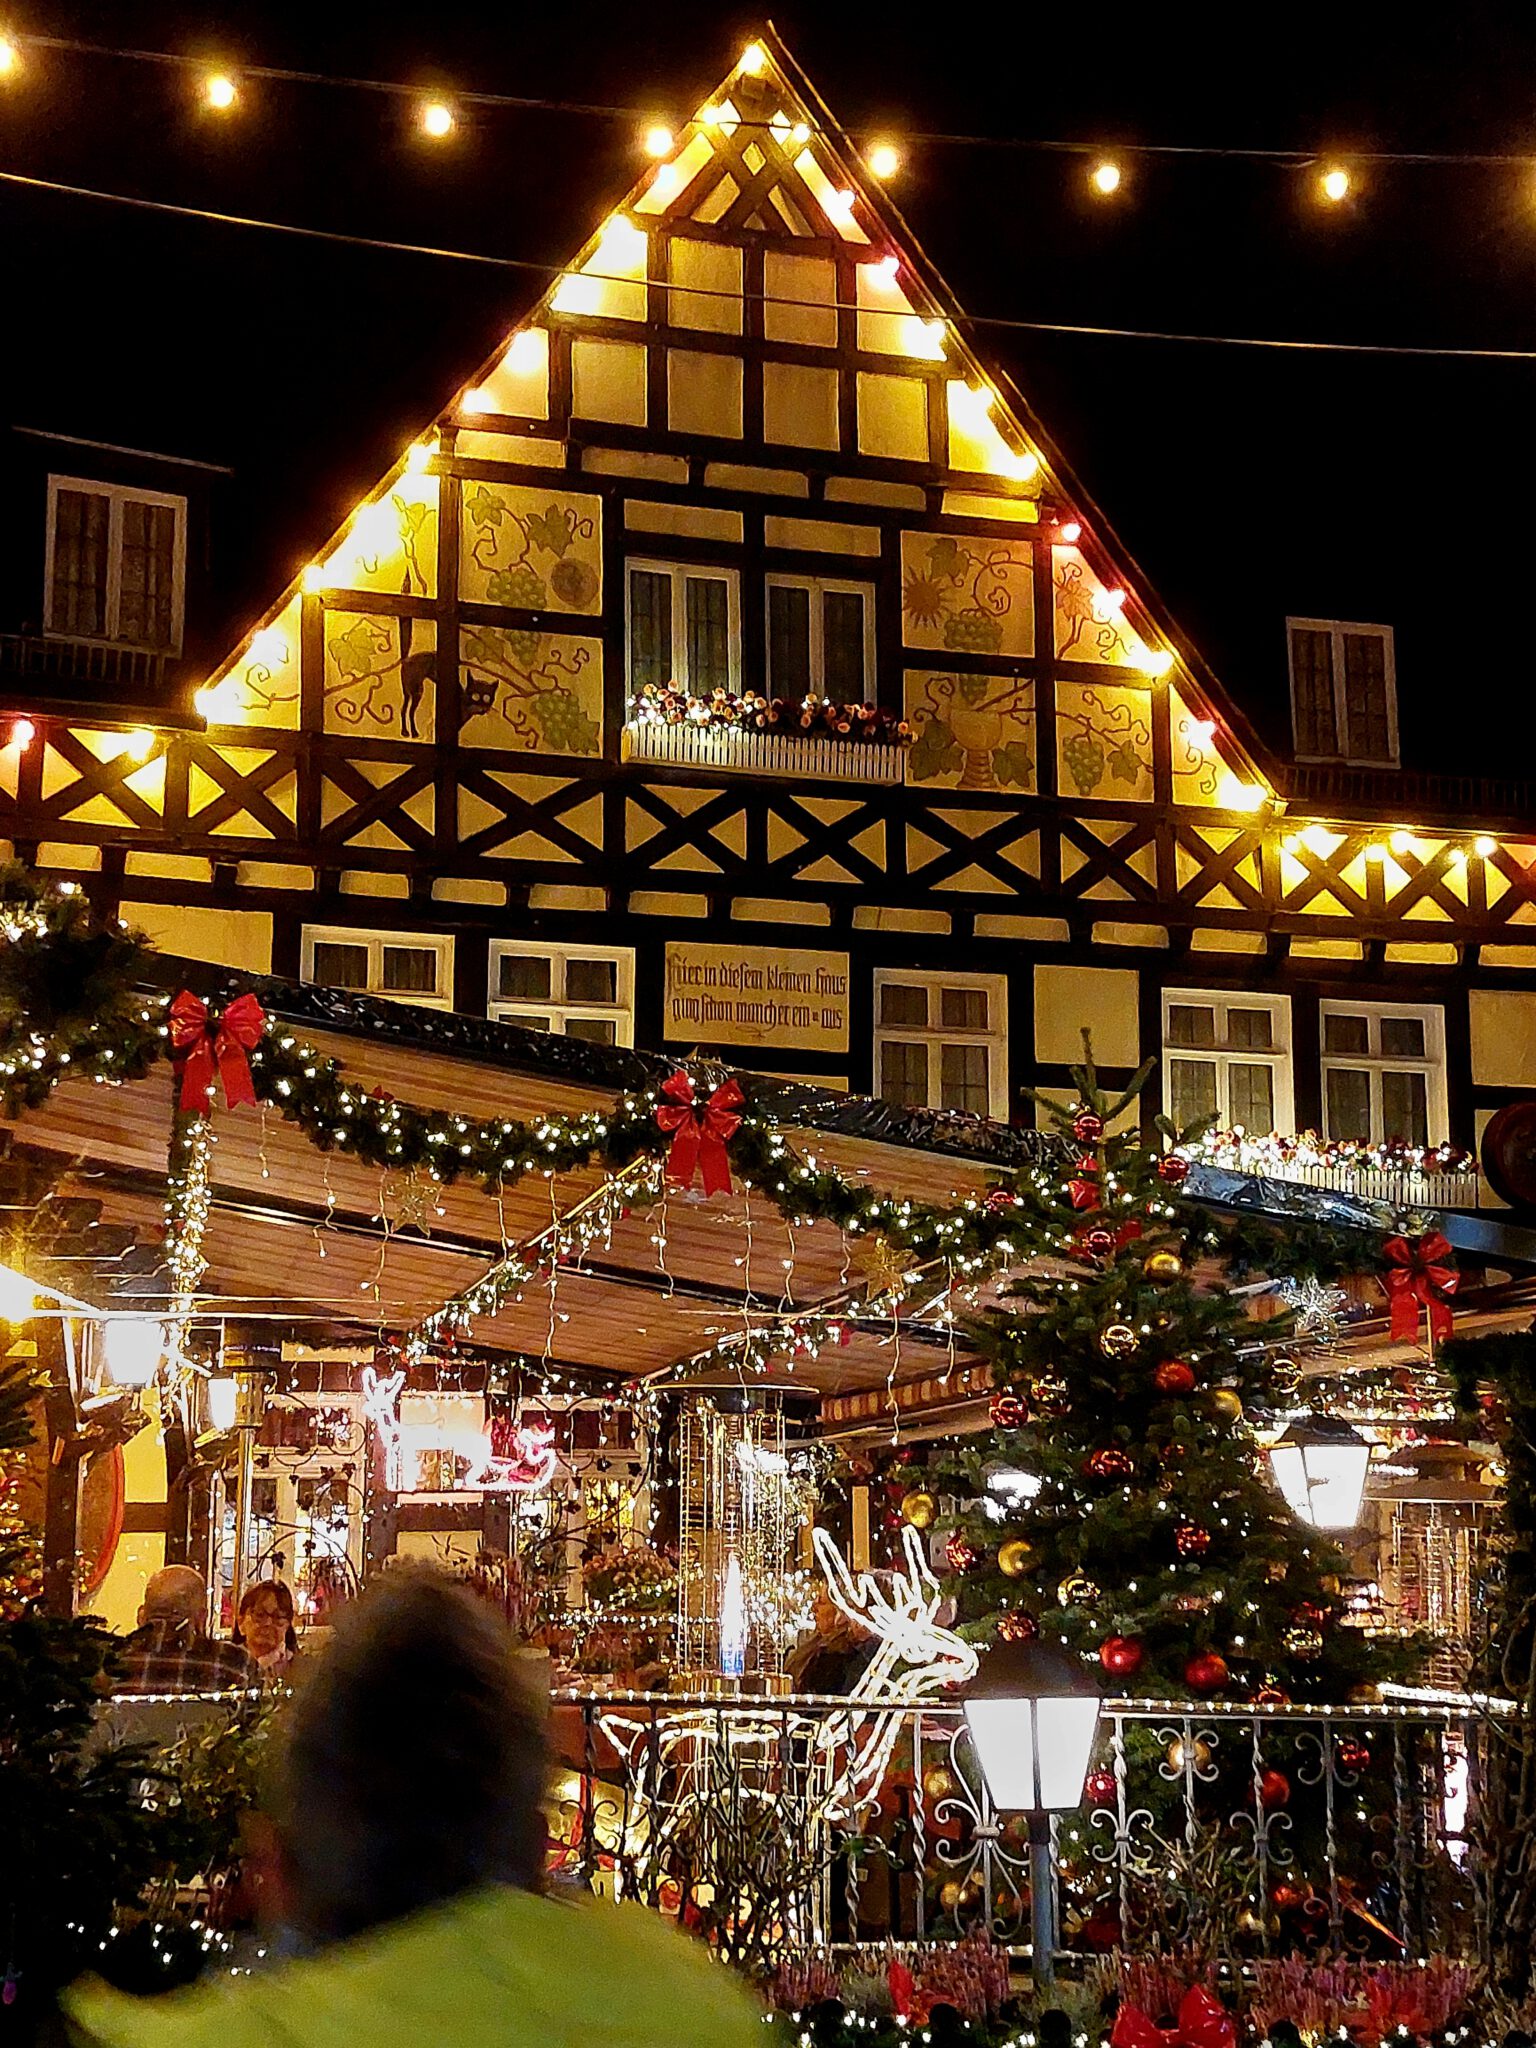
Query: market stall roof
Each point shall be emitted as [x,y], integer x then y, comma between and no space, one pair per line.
[317,1245]
[317,1242]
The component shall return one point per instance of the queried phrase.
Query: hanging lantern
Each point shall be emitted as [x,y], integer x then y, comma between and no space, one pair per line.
[132,1348]
[1320,1467]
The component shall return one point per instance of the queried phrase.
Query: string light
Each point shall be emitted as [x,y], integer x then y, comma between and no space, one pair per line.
[1105,176]
[23,733]
[1484,847]
[884,160]
[1334,184]
[220,92]
[437,119]
[754,60]
[657,140]
[10,57]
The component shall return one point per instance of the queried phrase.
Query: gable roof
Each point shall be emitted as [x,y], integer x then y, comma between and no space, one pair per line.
[763,156]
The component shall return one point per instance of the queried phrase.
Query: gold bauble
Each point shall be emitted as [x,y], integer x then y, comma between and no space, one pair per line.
[1226,1404]
[1077,1590]
[920,1509]
[1117,1340]
[970,1894]
[1329,1582]
[1276,1569]
[1251,1924]
[1364,1695]
[1014,1557]
[938,1782]
[1163,1267]
[1199,1750]
[949,1895]
[1305,1643]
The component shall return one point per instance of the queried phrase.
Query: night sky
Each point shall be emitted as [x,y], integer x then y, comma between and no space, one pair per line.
[1248,483]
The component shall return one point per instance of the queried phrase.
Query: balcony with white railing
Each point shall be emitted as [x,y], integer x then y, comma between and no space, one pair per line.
[807,737]
[1425,1177]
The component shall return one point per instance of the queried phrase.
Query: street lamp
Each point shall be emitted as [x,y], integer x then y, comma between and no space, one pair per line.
[1033,1713]
[1320,1467]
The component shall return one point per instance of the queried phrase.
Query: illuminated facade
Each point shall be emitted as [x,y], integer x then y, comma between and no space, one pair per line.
[488,751]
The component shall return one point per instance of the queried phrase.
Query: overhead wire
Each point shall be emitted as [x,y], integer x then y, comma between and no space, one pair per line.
[994,322]
[1287,154]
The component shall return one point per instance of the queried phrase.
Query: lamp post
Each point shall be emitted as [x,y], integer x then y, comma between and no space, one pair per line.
[1033,1713]
[1320,1467]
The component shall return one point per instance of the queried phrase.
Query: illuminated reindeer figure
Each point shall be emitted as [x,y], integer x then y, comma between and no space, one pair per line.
[698,1769]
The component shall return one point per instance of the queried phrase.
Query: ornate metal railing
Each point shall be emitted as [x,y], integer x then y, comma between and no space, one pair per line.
[1230,1833]
[33,657]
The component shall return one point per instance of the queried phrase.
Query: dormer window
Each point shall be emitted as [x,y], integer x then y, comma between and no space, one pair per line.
[1343,692]
[116,565]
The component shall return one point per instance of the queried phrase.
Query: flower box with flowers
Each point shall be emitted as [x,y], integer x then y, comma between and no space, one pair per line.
[630,1579]
[766,735]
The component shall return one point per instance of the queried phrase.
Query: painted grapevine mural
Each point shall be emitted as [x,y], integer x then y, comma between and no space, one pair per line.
[967,595]
[523,687]
[971,731]
[1103,740]
[530,692]
[380,675]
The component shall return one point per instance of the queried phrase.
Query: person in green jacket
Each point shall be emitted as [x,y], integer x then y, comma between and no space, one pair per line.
[407,1873]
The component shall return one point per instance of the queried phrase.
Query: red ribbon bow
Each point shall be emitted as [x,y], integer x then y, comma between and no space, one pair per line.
[1204,2022]
[701,1131]
[1420,1272]
[207,1049]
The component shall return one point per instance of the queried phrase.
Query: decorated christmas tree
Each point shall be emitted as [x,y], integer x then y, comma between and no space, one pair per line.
[1120,1501]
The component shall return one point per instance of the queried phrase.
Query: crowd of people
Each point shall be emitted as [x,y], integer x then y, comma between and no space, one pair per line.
[171,1650]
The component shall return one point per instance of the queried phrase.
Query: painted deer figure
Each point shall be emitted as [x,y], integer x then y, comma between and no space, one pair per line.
[688,1766]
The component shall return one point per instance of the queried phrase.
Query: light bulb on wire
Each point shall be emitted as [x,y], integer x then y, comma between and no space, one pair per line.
[437,119]
[1334,184]
[10,57]
[884,160]
[1105,177]
[657,140]
[220,91]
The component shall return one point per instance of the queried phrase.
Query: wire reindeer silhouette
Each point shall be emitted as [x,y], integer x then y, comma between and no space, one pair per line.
[696,1768]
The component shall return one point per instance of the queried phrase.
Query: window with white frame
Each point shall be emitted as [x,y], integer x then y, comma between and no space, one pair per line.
[1343,692]
[574,991]
[402,967]
[684,627]
[1384,1072]
[1227,1055]
[821,637]
[941,1040]
[115,566]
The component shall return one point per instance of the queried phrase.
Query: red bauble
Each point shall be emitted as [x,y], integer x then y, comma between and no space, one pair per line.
[1087,1166]
[1206,1672]
[1099,1788]
[1352,1754]
[1270,1695]
[1190,1540]
[1121,1656]
[1001,1199]
[1087,1127]
[1274,1788]
[1099,1243]
[1173,1169]
[1173,1376]
[961,1553]
[1017,1627]
[1287,1897]
[1007,1411]
[1110,1463]
[1082,1194]
[1307,1614]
